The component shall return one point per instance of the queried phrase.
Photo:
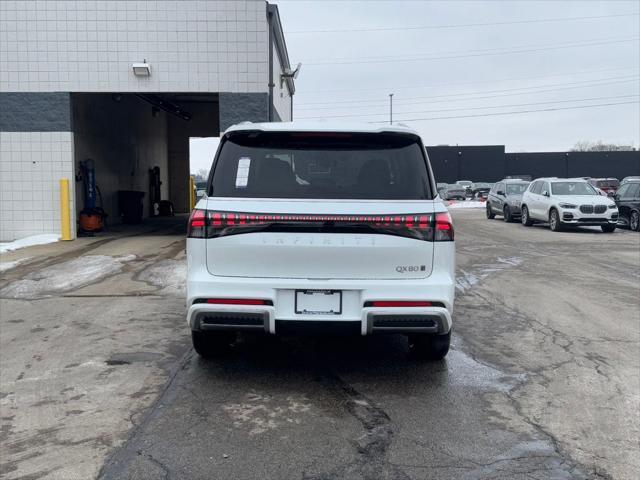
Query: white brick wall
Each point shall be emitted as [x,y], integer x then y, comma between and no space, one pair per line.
[31,166]
[89,46]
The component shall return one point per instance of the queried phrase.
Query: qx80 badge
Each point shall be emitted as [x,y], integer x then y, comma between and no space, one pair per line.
[410,268]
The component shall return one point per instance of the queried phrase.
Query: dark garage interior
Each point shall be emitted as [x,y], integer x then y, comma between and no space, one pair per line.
[126,136]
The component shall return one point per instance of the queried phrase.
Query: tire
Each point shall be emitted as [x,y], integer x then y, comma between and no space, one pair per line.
[212,344]
[506,212]
[634,221]
[429,346]
[608,228]
[554,221]
[490,214]
[526,220]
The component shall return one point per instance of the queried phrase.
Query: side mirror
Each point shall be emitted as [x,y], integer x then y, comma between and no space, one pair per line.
[611,195]
[500,192]
[545,193]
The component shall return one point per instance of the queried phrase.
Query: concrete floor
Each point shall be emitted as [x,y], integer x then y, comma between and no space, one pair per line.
[98,378]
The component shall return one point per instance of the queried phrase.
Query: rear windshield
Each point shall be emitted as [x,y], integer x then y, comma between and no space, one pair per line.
[321,166]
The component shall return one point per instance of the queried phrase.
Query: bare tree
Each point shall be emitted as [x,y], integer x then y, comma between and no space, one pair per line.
[201,175]
[600,146]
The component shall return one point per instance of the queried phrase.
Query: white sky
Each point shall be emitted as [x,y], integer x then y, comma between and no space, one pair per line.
[201,152]
[604,67]
[547,78]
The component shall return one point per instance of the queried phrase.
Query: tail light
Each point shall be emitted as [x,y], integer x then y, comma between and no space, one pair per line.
[197,224]
[427,227]
[444,227]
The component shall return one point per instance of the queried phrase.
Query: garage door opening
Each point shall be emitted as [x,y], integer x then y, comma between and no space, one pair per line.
[132,154]
[201,154]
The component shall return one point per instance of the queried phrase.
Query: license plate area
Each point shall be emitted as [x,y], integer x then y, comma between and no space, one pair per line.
[318,302]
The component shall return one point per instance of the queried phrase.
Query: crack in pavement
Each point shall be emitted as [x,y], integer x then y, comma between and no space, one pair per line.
[116,464]
[155,461]
[544,373]
[372,447]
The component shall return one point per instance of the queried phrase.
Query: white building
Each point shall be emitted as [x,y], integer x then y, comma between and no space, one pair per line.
[68,92]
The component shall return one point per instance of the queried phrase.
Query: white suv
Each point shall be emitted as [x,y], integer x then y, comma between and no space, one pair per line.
[567,202]
[326,229]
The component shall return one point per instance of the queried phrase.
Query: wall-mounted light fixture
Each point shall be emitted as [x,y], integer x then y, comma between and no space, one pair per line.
[288,73]
[141,69]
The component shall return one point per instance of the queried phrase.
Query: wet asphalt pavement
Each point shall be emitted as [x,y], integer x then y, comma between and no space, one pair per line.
[344,408]
[542,381]
[333,409]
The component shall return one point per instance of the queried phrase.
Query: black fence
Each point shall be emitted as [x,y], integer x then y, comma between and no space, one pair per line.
[490,163]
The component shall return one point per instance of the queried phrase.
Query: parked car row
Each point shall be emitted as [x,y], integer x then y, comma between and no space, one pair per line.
[609,186]
[566,202]
[464,189]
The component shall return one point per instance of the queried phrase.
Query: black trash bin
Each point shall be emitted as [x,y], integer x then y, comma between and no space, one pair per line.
[130,206]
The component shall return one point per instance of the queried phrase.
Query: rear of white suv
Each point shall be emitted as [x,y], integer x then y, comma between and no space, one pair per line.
[320,229]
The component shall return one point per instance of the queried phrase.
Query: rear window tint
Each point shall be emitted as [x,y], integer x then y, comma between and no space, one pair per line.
[321,166]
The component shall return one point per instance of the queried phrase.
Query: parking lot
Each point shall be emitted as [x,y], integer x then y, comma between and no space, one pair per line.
[99,378]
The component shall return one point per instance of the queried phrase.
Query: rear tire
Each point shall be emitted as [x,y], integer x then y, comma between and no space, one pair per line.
[507,214]
[490,214]
[212,344]
[634,221]
[526,220]
[608,228]
[554,221]
[429,346]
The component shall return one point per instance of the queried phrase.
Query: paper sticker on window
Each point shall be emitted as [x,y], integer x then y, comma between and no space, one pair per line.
[242,175]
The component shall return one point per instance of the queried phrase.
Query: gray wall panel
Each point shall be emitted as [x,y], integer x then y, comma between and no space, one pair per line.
[241,107]
[35,112]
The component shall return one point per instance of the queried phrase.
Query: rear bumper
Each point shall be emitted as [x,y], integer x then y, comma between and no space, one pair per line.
[203,317]
[276,318]
[279,312]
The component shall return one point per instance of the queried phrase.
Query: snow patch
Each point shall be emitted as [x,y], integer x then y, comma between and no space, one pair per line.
[29,242]
[170,275]
[467,279]
[65,276]
[4,266]
[466,204]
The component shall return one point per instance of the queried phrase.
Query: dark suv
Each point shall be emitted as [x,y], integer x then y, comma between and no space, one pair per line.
[505,198]
[628,201]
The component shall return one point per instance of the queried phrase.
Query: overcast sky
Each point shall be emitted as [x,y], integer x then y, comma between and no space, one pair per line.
[340,66]
[354,53]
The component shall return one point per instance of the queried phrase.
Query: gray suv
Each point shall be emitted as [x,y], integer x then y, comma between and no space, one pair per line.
[505,199]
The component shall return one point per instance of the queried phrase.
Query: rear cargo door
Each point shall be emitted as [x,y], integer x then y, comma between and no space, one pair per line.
[329,205]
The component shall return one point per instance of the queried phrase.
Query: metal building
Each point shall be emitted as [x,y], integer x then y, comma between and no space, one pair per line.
[125,84]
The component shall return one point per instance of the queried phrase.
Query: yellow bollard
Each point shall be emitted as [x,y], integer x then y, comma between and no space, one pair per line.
[192,193]
[65,213]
